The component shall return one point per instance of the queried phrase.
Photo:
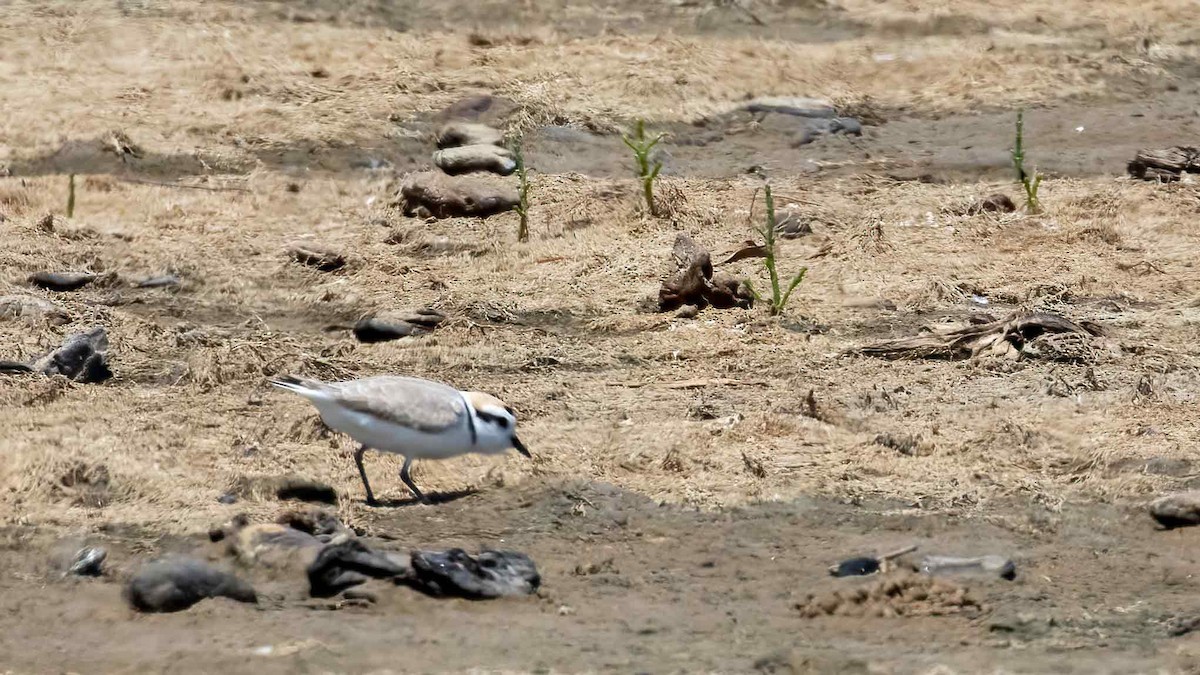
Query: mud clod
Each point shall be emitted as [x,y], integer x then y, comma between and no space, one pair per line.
[456,134]
[693,282]
[469,158]
[1177,510]
[317,256]
[176,583]
[442,196]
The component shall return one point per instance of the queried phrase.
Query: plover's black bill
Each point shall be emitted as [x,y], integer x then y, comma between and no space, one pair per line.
[520,447]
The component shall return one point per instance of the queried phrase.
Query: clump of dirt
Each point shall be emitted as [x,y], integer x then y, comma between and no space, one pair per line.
[693,282]
[897,596]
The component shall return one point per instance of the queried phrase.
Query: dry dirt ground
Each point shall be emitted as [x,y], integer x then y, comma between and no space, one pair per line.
[683,498]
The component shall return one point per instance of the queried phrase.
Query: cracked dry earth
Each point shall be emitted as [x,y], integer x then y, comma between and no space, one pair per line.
[693,479]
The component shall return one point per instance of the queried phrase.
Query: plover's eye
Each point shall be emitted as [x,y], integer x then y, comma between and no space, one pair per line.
[503,422]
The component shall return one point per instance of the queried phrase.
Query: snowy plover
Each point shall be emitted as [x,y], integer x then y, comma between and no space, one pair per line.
[415,418]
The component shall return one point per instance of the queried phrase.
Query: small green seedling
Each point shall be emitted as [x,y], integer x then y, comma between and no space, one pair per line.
[71,196]
[647,171]
[522,207]
[1029,181]
[779,299]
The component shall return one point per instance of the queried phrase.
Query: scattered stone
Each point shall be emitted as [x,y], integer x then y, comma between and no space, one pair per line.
[348,563]
[32,308]
[83,357]
[491,574]
[905,444]
[457,134]
[315,521]
[61,281]
[393,326]
[687,312]
[791,105]
[1167,466]
[792,226]
[88,562]
[693,282]
[1021,334]
[176,583]
[855,567]
[468,158]
[864,565]
[894,596]
[1165,166]
[317,256]
[162,281]
[274,546]
[483,108]
[997,203]
[1177,510]
[988,565]
[227,498]
[442,196]
[306,490]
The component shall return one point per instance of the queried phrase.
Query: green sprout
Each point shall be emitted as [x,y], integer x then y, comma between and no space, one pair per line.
[779,298]
[1029,181]
[522,206]
[647,171]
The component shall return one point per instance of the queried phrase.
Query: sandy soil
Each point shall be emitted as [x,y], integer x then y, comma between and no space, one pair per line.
[676,463]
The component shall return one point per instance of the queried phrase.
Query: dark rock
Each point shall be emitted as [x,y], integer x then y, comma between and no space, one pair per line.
[176,583]
[1168,466]
[456,134]
[855,567]
[792,226]
[483,108]
[442,196]
[1177,510]
[88,562]
[227,498]
[83,357]
[61,281]
[845,125]
[468,158]
[385,328]
[996,203]
[791,105]
[163,281]
[344,564]
[491,574]
[31,308]
[306,490]
[318,256]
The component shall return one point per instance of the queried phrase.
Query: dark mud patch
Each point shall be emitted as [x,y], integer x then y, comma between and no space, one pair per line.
[623,589]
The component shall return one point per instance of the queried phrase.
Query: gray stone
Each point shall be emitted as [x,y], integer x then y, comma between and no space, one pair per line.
[468,158]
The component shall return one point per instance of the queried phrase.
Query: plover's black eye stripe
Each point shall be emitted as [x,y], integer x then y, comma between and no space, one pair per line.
[499,421]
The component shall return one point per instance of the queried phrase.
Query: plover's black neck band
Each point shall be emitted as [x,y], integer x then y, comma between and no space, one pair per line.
[471,420]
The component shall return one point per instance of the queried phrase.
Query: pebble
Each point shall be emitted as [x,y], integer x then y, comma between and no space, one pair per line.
[88,562]
[163,281]
[791,105]
[317,256]
[988,565]
[457,134]
[83,357]
[442,196]
[29,307]
[176,583]
[468,158]
[61,281]
[1178,510]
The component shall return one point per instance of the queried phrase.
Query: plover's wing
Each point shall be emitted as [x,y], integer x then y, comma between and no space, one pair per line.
[418,404]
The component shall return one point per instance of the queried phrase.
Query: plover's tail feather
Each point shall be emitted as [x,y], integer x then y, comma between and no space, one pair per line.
[300,385]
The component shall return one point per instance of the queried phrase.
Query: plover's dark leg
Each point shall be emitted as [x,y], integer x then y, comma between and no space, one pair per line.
[362,473]
[409,481]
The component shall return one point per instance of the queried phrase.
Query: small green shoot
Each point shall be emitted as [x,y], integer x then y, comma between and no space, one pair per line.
[71,196]
[1029,181]
[647,171]
[779,299]
[522,207]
